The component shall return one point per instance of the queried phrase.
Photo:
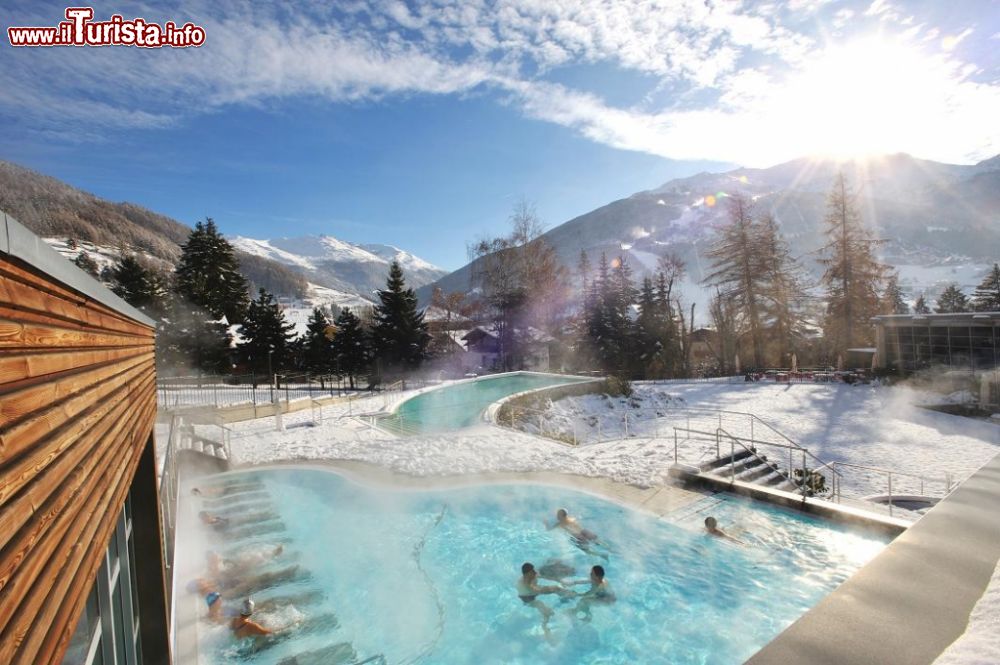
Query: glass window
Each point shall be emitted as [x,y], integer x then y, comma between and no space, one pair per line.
[984,355]
[86,629]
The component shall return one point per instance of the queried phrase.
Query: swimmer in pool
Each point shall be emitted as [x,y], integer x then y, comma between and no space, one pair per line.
[712,528]
[585,539]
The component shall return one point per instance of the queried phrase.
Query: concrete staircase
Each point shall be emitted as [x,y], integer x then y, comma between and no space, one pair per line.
[750,467]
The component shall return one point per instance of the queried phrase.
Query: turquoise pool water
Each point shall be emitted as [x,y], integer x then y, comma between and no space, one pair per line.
[428,577]
[462,405]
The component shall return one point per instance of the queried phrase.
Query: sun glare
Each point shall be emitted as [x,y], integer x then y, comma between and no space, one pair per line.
[864,98]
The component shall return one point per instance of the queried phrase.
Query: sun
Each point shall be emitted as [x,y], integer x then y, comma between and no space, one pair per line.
[872,96]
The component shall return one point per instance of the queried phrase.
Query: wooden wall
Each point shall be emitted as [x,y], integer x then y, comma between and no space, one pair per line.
[77,406]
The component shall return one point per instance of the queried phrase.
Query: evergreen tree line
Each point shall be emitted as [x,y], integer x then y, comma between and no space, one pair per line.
[763,312]
[196,305]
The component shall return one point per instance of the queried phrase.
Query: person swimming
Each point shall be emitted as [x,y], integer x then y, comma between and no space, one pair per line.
[583,538]
[712,528]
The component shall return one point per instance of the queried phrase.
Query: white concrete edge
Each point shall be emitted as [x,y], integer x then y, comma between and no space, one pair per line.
[490,414]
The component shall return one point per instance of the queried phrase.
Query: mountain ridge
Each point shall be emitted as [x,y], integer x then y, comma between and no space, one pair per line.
[934,216]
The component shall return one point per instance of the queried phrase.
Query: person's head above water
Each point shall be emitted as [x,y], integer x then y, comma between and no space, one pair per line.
[710,523]
[195,491]
[561,514]
[527,569]
[248,606]
[597,572]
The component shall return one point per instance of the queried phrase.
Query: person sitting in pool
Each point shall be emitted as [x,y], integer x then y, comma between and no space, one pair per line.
[243,626]
[528,591]
[214,601]
[599,592]
[214,521]
[582,538]
[219,566]
[712,527]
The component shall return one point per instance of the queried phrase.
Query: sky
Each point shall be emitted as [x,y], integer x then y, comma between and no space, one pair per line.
[422,124]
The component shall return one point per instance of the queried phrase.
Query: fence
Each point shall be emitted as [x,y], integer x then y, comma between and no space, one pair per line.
[233,390]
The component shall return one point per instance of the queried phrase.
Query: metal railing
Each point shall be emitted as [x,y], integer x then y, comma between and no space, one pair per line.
[633,423]
[918,483]
[182,436]
[805,483]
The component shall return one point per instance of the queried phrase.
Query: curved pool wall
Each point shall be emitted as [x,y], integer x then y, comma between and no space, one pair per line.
[428,576]
[462,404]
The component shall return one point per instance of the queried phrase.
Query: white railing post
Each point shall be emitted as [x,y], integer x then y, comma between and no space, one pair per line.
[804,490]
[732,459]
[890,494]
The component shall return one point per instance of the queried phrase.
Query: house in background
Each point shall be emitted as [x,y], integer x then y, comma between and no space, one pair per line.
[483,350]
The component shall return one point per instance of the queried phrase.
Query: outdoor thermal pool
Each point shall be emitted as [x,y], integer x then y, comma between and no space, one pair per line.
[370,574]
[462,404]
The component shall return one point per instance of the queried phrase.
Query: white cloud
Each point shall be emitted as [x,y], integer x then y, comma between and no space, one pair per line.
[730,71]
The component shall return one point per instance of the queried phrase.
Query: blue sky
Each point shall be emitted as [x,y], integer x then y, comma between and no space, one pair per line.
[420,125]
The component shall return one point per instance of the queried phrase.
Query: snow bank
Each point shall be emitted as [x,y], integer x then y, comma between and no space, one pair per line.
[980,644]
[856,424]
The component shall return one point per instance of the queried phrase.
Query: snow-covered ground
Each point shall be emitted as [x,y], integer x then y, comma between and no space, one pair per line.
[856,424]
[980,644]
[870,426]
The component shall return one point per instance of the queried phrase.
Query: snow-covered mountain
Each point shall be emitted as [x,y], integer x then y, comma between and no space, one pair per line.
[941,222]
[345,267]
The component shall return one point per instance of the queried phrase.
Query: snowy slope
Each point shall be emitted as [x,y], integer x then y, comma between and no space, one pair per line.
[342,266]
[934,218]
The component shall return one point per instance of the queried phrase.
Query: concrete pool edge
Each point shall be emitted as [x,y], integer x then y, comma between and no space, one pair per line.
[914,599]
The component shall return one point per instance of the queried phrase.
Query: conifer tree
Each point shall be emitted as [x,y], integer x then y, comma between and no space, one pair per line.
[725,319]
[740,268]
[399,335]
[671,270]
[267,336]
[599,316]
[208,274]
[920,307]
[138,285]
[952,301]
[189,339]
[621,294]
[649,333]
[317,344]
[892,297]
[784,291]
[853,276]
[986,297]
[351,346]
[84,262]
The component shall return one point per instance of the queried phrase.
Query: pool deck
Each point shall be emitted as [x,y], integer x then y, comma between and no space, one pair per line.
[912,600]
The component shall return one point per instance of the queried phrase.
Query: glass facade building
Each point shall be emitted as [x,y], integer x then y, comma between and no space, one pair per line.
[968,342]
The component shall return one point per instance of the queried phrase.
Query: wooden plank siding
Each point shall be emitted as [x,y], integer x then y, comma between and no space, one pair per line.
[77,407]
